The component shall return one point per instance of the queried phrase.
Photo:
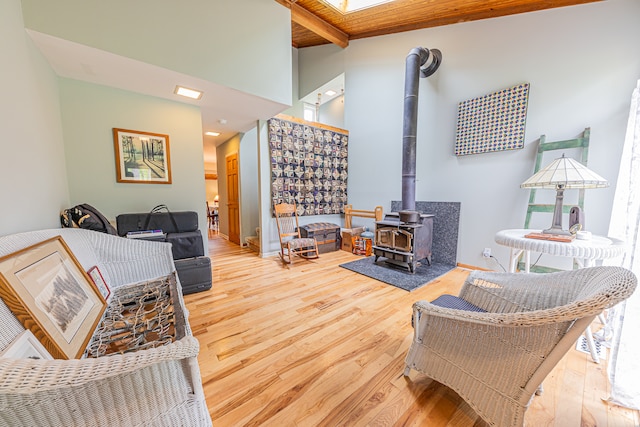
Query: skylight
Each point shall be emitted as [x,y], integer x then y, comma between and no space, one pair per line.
[346,6]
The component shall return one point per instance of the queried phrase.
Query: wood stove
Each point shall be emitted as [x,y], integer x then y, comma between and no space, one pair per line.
[404,238]
[404,244]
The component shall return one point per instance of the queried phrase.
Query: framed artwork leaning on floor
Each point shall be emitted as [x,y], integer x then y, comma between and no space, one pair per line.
[48,291]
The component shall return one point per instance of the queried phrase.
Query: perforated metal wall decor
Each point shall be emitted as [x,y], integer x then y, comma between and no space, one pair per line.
[308,165]
[493,122]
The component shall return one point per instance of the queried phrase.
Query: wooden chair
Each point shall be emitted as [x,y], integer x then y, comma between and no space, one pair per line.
[289,233]
[209,215]
[212,217]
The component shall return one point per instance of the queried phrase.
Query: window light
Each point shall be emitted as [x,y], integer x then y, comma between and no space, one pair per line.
[309,112]
[346,6]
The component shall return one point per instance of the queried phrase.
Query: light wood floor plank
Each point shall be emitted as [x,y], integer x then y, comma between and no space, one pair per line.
[313,344]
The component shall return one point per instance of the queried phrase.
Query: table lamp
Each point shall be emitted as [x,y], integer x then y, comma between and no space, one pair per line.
[563,174]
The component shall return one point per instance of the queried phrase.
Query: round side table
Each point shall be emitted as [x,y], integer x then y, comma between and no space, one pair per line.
[584,252]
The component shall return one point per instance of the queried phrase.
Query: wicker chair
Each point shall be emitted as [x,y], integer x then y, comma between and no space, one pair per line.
[289,233]
[497,359]
[154,387]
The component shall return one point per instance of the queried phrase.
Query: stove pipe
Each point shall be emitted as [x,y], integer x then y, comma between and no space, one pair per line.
[416,59]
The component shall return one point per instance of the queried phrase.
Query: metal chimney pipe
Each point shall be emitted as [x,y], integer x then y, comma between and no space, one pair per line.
[416,59]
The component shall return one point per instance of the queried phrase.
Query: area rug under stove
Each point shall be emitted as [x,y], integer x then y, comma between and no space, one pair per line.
[397,276]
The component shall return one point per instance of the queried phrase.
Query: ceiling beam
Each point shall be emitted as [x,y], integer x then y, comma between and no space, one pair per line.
[302,16]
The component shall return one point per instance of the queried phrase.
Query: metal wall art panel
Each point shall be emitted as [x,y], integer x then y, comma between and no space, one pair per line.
[308,166]
[494,122]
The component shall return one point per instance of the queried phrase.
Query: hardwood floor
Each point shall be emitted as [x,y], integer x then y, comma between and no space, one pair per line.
[314,344]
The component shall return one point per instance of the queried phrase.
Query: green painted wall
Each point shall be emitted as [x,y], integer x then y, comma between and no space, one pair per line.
[249,185]
[90,112]
[244,45]
[33,185]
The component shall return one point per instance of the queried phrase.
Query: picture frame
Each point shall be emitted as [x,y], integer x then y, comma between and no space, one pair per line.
[493,122]
[26,346]
[49,292]
[142,157]
[98,280]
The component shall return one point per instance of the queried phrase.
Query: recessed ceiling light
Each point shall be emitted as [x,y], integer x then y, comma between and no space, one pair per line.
[189,93]
[212,133]
[330,92]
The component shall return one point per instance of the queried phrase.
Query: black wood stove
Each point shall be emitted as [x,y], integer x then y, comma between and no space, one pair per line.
[405,238]
[404,244]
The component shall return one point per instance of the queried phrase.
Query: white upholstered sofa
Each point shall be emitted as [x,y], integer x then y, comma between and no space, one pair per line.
[155,387]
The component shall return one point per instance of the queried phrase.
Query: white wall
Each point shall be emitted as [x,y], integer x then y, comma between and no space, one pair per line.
[90,112]
[249,185]
[332,112]
[239,44]
[269,241]
[297,107]
[582,64]
[314,74]
[32,165]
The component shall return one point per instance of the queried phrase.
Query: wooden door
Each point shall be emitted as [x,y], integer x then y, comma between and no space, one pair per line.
[233,205]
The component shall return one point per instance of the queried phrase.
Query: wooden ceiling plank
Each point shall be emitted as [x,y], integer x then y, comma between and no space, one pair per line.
[407,15]
[378,25]
[301,16]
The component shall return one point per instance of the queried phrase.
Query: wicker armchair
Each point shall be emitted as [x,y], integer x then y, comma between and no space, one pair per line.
[496,360]
[154,387]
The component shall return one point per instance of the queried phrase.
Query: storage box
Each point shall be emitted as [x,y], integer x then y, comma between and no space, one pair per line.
[347,236]
[194,274]
[361,245]
[327,235]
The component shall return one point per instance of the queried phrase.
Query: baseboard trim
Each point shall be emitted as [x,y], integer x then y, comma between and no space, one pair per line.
[471,267]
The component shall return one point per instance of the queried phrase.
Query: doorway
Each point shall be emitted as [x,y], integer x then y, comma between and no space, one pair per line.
[233,202]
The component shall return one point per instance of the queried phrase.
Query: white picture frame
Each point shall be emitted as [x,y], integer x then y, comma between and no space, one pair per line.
[26,346]
[98,280]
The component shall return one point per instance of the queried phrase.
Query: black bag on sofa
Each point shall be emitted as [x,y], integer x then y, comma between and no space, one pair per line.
[187,244]
[181,229]
[168,222]
[88,217]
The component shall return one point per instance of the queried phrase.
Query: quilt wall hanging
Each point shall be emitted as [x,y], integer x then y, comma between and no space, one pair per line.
[494,122]
[308,165]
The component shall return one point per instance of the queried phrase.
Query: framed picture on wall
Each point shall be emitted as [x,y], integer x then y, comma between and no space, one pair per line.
[49,292]
[142,157]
